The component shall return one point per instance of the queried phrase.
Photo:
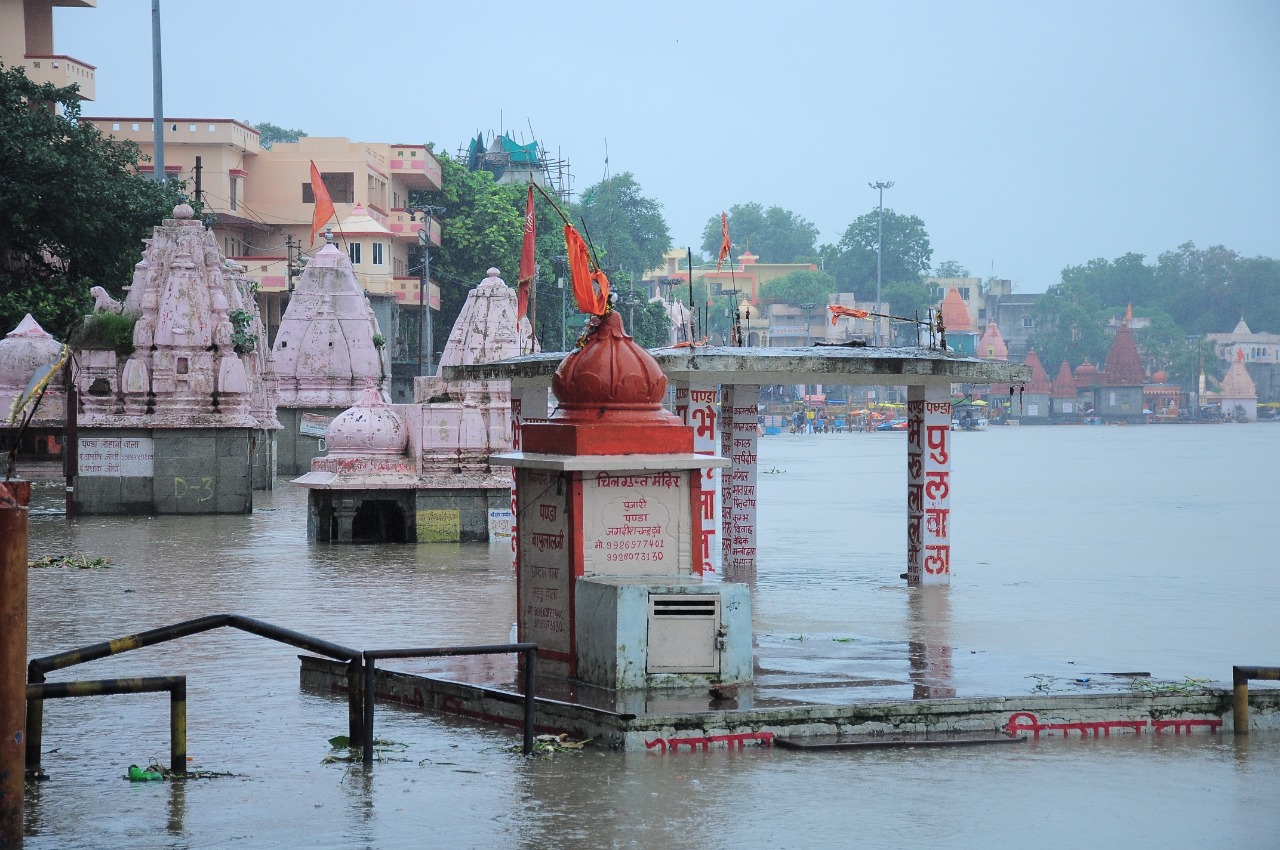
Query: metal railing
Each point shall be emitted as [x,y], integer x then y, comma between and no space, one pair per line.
[175,685]
[1240,677]
[529,650]
[38,667]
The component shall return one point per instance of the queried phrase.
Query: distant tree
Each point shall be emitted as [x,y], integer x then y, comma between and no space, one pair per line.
[775,235]
[646,321]
[906,253]
[73,208]
[625,227]
[269,134]
[1116,284]
[907,298]
[800,287]
[950,268]
[482,226]
[1070,325]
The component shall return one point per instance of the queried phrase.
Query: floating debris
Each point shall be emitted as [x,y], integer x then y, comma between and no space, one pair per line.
[67,562]
[549,745]
[156,772]
[344,752]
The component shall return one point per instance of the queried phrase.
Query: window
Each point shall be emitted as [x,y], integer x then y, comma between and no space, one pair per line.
[1028,322]
[191,128]
[377,253]
[234,181]
[135,125]
[115,125]
[341,186]
[213,128]
[353,249]
[964,292]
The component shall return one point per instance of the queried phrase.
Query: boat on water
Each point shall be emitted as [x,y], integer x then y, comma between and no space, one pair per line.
[969,423]
[893,425]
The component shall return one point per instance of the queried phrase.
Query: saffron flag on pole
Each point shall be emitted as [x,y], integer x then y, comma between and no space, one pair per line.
[528,263]
[324,206]
[590,288]
[724,241]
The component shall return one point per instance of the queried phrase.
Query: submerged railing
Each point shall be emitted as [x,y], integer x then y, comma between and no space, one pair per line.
[360,688]
[38,690]
[1240,677]
[528,650]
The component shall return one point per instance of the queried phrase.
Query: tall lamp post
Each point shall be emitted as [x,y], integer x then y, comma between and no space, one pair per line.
[881,186]
[424,286]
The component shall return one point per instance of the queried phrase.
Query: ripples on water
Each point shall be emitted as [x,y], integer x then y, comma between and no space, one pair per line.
[1135,548]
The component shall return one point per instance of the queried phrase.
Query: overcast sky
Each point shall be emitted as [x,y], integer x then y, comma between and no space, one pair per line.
[1028,136]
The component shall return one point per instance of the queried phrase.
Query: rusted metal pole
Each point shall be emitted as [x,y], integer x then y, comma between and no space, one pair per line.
[1240,677]
[370,695]
[530,691]
[178,727]
[14,498]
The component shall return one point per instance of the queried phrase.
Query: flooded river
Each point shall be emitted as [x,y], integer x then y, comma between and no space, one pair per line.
[1111,548]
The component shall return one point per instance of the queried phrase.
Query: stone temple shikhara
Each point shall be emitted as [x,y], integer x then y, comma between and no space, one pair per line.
[421,472]
[169,420]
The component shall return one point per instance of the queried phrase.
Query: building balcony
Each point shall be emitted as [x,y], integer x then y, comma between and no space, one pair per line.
[406,291]
[398,223]
[65,71]
[416,167]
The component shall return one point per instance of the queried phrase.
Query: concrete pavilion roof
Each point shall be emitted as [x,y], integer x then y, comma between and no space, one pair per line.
[812,365]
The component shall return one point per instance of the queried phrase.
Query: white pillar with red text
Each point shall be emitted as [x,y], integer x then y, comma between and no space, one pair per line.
[696,406]
[928,485]
[739,437]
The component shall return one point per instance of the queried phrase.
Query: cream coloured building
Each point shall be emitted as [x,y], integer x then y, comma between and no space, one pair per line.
[26,41]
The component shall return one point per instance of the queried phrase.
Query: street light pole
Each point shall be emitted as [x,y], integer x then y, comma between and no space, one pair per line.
[881,186]
[808,323]
[424,287]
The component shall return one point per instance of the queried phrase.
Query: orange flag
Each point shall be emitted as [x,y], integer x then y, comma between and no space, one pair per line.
[590,288]
[838,310]
[528,263]
[724,240]
[324,206]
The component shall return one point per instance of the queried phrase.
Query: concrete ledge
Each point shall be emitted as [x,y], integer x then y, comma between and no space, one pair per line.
[1036,716]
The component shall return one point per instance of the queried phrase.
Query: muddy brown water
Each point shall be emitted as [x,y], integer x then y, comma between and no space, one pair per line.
[1111,548]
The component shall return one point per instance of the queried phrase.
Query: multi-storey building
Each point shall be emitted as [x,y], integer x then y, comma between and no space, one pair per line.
[26,41]
[260,202]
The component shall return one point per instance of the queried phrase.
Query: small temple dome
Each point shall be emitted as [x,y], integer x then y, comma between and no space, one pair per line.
[954,312]
[183,211]
[1086,374]
[370,428]
[1160,376]
[24,350]
[610,371]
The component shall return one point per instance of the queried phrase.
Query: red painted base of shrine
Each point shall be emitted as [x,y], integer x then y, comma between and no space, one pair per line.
[605,438]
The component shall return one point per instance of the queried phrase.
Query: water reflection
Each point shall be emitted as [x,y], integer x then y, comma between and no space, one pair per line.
[177,808]
[929,647]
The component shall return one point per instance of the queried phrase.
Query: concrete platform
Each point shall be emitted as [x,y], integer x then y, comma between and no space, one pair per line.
[821,690]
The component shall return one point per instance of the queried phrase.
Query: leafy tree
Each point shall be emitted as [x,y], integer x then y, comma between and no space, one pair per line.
[907,298]
[625,228]
[482,226]
[1070,325]
[774,235]
[800,287]
[73,209]
[645,320]
[269,134]
[950,268]
[905,257]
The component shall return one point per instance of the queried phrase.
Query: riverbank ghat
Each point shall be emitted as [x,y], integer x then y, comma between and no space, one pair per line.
[717,392]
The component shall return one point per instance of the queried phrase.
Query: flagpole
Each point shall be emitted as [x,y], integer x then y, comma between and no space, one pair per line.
[694,329]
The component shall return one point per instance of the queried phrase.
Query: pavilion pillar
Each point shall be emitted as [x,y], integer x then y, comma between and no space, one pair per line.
[928,485]
[739,437]
[696,406]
